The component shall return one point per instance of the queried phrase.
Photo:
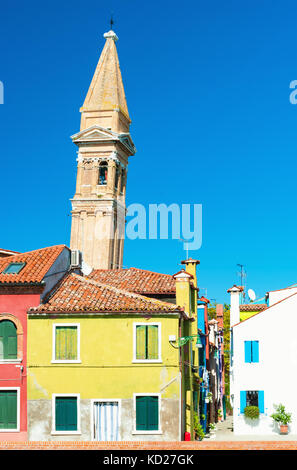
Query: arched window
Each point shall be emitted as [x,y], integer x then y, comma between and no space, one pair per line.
[103,171]
[8,340]
[123,180]
[117,177]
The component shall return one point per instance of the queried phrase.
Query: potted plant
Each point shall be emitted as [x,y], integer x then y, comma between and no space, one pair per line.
[252,412]
[220,414]
[212,429]
[208,398]
[281,417]
[198,430]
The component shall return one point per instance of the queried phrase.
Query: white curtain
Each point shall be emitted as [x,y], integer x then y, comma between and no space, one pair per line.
[106,421]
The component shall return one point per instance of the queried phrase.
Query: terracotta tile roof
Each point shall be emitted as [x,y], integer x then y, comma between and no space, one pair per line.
[252,307]
[37,264]
[76,293]
[136,280]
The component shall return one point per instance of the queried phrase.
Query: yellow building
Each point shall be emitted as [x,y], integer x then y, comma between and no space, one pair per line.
[104,364]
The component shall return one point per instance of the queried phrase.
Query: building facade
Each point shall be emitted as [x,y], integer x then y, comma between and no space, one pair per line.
[264,352]
[24,280]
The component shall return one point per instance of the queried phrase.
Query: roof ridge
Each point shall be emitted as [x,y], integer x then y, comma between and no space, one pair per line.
[264,310]
[32,251]
[125,292]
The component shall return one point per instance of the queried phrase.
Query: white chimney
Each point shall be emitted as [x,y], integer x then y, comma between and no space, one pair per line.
[234,304]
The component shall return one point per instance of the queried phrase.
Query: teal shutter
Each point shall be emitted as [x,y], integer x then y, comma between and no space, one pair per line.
[255,351]
[242,401]
[8,409]
[247,351]
[8,340]
[147,413]
[66,414]
[153,413]
[261,401]
[141,414]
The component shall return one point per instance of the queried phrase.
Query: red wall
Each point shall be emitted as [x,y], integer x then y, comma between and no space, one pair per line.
[11,375]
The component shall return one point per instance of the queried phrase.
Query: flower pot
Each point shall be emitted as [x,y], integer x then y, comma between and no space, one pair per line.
[283,429]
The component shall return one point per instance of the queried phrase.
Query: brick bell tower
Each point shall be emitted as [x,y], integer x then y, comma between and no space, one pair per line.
[104,145]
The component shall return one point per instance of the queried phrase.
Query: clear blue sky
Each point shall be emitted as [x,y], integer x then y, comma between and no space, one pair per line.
[207,85]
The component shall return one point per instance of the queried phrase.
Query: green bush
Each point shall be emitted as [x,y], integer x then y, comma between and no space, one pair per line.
[198,428]
[252,412]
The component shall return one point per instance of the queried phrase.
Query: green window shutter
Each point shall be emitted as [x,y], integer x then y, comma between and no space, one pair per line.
[141,342]
[152,342]
[147,413]
[153,413]
[66,414]
[8,409]
[66,343]
[141,413]
[8,340]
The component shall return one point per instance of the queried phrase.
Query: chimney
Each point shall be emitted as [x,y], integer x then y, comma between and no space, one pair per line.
[234,304]
[220,315]
[183,290]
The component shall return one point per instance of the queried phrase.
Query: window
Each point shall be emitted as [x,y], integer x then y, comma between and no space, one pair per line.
[117,177]
[9,410]
[8,340]
[252,398]
[13,268]
[66,414]
[251,351]
[147,412]
[66,339]
[103,172]
[147,344]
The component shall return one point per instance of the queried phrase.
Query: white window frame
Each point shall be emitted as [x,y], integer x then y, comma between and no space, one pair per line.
[145,361]
[105,400]
[65,361]
[59,433]
[157,431]
[17,429]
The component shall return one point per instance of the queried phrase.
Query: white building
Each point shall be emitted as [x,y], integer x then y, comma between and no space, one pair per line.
[263,369]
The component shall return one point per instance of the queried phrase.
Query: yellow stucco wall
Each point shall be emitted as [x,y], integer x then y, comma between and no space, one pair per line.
[106,352]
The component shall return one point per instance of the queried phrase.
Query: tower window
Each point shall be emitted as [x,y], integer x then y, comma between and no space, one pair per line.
[122,181]
[117,177]
[103,171]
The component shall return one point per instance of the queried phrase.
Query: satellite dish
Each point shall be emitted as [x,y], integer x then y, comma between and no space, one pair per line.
[251,295]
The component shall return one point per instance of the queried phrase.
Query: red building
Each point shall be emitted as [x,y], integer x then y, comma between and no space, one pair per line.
[25,279]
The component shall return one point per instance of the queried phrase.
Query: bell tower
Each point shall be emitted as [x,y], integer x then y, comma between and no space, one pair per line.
[104,146]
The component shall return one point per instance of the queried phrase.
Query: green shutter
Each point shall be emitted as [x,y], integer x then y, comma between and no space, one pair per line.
[152,342]
[8,409]
[66,343]
[141,342]
[141,414]
[66,414]
[153,413]
[147,413]
[8,340]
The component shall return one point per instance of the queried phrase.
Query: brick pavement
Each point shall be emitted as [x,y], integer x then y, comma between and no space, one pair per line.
[139,445]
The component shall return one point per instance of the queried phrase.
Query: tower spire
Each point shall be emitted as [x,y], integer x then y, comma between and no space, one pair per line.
[106,93]
[104,146]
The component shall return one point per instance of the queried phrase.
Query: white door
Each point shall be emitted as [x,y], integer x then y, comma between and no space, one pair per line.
[106,420]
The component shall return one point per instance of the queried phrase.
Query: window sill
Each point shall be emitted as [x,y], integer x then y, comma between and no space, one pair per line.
[147,361]
[147,432]
[60,433]
[66,362]
[10,361]
[9,430]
